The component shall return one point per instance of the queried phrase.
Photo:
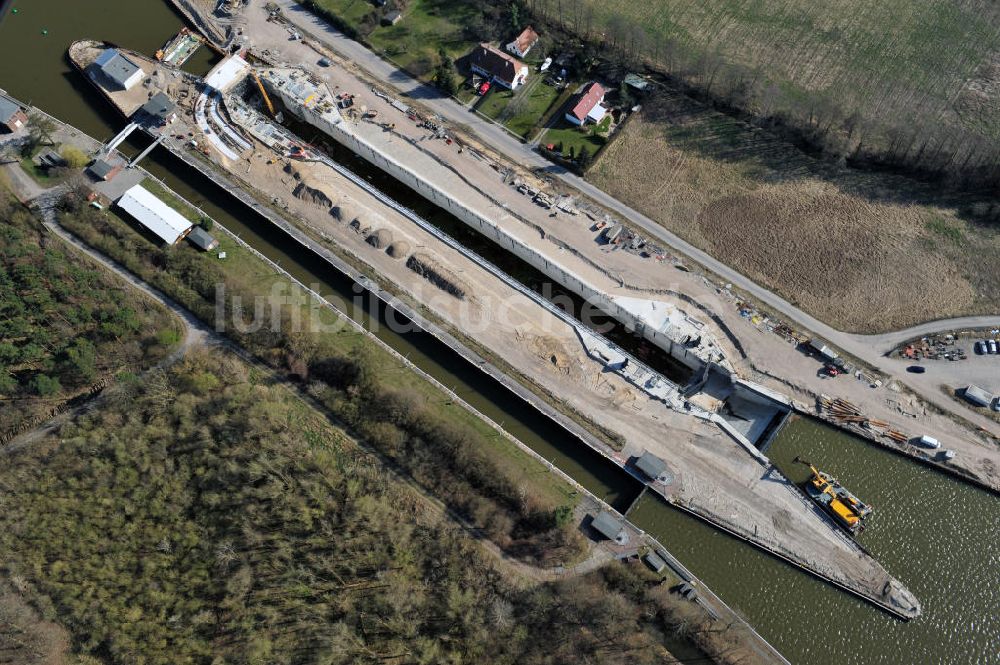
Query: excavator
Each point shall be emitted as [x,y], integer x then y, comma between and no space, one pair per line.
[845,508]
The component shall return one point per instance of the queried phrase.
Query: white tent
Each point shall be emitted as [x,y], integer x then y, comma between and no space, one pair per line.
[168,224]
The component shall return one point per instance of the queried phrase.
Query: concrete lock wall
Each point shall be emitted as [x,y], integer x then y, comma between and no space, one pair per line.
[489,229]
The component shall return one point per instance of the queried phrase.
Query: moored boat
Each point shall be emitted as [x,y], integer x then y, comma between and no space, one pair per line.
[846,509]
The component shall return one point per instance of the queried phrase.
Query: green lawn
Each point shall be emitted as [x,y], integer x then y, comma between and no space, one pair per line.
[495,102]
[180,206]
[521,111]
[427,27]
[535,103]
[38,174]
[573,138]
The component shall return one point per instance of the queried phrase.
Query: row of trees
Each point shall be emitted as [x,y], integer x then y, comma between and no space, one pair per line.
[446,458]
[917,140]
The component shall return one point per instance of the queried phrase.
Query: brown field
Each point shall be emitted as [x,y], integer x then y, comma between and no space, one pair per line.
[863,252]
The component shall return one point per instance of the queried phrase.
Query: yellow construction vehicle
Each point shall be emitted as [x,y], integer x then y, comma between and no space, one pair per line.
[845,508]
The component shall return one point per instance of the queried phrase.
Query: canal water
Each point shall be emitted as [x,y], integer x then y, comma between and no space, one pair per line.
[937,535]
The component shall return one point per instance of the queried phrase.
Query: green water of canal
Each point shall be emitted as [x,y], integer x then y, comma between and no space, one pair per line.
[937,535]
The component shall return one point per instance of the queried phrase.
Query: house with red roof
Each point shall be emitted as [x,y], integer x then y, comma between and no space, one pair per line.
[498,66]
[524,42]
[589,105]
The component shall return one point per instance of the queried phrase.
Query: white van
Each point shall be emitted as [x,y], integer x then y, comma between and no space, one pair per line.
[929,442]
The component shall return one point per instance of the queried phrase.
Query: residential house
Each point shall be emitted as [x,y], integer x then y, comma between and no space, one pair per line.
[117,69]
[524,42]
[589,106]
[499,67]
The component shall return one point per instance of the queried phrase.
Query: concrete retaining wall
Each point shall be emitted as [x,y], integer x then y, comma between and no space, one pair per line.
[495,233]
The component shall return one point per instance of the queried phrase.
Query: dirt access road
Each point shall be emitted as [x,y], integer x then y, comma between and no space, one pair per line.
[869,348]
[714,476]
[770,359]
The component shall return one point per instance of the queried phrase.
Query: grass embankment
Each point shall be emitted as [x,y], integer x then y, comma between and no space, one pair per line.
[445,448]
[168,197]
[864,252]
[66,323]
[209,515]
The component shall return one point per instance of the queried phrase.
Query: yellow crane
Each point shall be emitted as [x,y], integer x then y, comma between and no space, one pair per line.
[263,92]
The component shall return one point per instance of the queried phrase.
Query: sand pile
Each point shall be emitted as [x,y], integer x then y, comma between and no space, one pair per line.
[398,249]
[311,194]
[380,239]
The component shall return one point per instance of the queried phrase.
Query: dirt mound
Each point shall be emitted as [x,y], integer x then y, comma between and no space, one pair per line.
[552,352]
[398,249]
[312,195]
[436,274]
[379,239]
[344,212]
[292,171]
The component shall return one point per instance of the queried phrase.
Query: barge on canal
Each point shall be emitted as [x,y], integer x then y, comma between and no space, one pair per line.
[846,509]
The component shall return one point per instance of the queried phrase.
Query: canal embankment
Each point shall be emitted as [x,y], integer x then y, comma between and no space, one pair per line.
[820,560]
[711,603]
[932,531]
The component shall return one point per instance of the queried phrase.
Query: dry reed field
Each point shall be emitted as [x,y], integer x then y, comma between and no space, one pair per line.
[864,252]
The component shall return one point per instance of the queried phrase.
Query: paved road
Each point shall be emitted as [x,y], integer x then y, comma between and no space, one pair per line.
[869,348]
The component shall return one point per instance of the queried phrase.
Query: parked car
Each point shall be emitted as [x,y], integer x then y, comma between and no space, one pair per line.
[916,369]
[996,404]
[980,347]
[993,345]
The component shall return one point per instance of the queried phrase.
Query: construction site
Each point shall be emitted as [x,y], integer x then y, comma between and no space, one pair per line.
[709,425]
[706,429]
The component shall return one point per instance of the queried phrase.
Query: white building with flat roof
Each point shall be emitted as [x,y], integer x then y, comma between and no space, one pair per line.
[166,223]
[118,69]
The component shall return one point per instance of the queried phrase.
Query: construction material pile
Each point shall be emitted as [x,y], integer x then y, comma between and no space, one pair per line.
[845,413]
